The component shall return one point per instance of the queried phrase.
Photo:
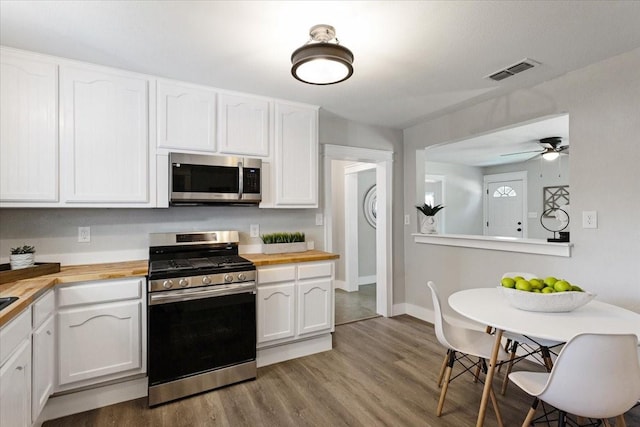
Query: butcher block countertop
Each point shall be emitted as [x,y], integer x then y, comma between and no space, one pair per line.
[28,290]
[261,260]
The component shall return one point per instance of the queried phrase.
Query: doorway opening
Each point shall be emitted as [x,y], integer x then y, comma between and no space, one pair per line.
[342,241]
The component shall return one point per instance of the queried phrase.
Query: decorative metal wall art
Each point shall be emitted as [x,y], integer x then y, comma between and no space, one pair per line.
[554,198]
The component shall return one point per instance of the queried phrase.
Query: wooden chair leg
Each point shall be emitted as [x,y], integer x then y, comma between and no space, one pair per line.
[620,421]
[605,422]
[546,356]
[445,384]
[506,348]
[442,368]
[532,412]
[505,380]
[476,374]
[496,409]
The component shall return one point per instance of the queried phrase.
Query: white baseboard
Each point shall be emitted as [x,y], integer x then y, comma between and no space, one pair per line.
[73,403]
[340,284]
[280,353]
[366,280]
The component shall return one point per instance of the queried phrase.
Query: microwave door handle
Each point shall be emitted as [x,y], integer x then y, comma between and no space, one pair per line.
[241,179]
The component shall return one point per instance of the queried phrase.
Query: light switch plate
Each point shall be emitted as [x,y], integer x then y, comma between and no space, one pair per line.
[407,219]
[319,219]
[589,219]
[254,230]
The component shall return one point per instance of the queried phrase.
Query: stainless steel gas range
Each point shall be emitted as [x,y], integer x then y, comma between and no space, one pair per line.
[201,314]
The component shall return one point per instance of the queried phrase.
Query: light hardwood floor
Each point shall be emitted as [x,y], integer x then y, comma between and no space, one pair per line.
[381,372]
[354,306]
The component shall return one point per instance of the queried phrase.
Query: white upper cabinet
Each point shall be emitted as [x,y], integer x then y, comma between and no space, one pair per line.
[186,117]
[28,129]
[296,156]
[104,136]
[244,125]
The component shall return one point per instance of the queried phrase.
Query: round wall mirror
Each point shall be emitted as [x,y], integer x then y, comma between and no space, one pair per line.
[371,206]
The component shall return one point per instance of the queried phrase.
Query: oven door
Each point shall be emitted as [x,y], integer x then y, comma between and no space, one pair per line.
[196,332]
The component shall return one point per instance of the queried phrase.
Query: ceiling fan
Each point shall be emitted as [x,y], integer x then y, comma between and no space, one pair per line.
[551,148]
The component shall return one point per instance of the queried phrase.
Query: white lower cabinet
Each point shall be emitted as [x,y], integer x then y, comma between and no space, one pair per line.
[100,338]
[43,365]
[276,312]
[15,372]
[295,301]
[44,345]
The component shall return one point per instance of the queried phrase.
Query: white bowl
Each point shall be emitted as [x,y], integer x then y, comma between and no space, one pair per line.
[557,302]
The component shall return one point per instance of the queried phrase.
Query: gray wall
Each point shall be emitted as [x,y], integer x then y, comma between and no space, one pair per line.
[604,109]
[339,131]
[366,233]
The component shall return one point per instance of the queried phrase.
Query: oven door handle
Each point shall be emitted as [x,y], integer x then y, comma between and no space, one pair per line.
[189,295]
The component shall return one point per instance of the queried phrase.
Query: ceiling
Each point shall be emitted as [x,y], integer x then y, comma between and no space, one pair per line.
[513,144]
[413,60]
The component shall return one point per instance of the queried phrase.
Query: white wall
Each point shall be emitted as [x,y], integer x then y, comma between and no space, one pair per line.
[366,233]
[603,102]
[123,234]
[339,131]
[463,197]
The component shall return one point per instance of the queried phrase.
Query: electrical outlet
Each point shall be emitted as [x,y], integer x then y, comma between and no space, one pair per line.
[254,230]
[407,219]
[84,234]
[589,219]
[319,219]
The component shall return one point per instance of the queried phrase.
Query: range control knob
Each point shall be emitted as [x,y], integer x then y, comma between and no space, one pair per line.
[228,278]
[184,283]
[167,284]
[206,280]
[242,276]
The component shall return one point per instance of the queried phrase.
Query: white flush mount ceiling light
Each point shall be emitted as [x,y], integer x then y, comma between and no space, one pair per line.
[321,61]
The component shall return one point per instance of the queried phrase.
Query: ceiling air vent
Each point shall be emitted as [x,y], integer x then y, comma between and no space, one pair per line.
[512,70]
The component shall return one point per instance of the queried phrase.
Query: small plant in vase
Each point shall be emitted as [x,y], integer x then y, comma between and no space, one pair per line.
[276,243]
[428,221]
[22,257]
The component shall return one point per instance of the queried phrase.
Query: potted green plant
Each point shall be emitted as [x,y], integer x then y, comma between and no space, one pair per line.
[282,242]
[428,220]
[22,257]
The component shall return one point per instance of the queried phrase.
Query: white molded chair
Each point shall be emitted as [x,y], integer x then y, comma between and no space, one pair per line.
[535,347]
[461,343]
[595,376]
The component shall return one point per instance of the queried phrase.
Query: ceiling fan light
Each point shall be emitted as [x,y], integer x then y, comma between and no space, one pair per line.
[550,155]
[322,63]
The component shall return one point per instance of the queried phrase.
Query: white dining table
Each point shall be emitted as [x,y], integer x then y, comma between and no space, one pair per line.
[488,307]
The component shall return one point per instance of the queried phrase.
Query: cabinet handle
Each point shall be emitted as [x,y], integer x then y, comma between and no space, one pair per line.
[19,368]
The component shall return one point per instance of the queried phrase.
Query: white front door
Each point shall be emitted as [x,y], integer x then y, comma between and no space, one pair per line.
[504,203]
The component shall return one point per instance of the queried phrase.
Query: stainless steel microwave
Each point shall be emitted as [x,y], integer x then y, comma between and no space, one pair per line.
[203,179]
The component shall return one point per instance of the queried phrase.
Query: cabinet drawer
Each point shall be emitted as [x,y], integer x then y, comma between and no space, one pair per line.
[43,308]
[12,334]
[102,291]
[276,274]
[310,271]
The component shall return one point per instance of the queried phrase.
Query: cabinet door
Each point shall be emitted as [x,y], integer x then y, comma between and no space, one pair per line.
[99,340]
[315,302]
[28,129]
[186,117]
[276,312]
[43,365]
[15,388]
[244,125]
[296,152]
[104,136]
